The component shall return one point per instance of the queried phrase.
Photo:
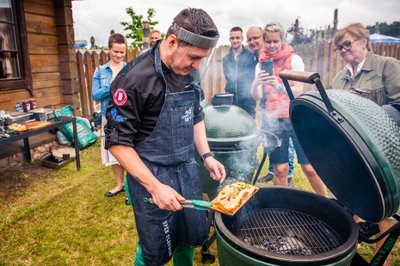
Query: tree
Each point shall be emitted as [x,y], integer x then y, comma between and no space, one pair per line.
[300,36]
[135,26]
[386,29]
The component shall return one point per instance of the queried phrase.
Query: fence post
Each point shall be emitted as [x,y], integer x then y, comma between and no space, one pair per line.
[81,77]
[88,85]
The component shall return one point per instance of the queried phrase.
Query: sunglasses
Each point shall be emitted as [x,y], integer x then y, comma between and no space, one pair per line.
[253,38]
[345,45]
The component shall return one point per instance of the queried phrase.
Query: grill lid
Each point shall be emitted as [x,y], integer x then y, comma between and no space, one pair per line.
[356,151]
[227,123]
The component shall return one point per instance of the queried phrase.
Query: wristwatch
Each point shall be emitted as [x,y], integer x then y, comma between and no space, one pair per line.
[206,155]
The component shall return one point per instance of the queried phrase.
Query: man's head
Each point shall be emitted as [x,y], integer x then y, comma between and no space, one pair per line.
[155,35]
[236,38]
[190,38]
[254,39]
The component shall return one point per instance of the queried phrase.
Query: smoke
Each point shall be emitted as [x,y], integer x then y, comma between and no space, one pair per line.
[269,126]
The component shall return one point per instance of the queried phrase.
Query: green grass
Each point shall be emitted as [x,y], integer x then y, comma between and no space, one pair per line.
[60,217]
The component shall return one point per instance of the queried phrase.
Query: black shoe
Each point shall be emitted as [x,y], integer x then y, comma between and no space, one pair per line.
[266,178]
[127,202]
[111,194]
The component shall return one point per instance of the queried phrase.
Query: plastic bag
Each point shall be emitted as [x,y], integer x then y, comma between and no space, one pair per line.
[86,136]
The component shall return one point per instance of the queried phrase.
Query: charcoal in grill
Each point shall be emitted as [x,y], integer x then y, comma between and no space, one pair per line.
[286,232]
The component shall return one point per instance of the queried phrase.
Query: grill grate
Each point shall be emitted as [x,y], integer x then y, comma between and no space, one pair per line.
[286,232]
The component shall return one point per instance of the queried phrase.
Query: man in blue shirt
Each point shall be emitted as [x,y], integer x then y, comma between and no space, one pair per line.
[238,67]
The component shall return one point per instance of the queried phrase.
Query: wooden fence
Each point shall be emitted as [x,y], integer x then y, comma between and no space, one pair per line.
[317,58]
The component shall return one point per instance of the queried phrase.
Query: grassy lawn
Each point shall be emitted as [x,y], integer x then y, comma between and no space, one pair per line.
[60,217]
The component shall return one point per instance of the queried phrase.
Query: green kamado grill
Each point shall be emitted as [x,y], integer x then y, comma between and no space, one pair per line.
[354,145]
[233,138]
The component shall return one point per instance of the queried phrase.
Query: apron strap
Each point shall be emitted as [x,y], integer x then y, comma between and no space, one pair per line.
[158,67]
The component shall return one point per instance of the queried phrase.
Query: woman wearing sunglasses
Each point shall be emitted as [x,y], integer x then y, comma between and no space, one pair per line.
[367,74]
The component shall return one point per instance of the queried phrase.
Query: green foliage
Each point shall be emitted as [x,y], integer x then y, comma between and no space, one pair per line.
[134,27]
[386,29]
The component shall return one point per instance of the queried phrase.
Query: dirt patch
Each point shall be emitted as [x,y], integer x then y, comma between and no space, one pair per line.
[18,178]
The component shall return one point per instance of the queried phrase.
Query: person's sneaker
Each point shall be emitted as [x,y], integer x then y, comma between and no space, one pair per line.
[266,178]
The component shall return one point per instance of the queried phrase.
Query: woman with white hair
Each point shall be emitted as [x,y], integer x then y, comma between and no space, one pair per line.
[276,115]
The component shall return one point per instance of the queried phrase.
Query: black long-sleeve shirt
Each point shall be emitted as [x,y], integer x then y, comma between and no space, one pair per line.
[135,120]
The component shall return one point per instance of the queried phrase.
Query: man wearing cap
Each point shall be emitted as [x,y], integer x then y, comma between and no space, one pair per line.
[154,123]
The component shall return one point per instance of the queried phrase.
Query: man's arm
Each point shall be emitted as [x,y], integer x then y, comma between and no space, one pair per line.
[164,196]
[216,169]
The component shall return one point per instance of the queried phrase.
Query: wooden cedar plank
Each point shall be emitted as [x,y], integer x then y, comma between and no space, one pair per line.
[42,44]
[41,63]
[302,51]
[40,39]
[220,70]
[43,97]
[46,84]
[39,9]
[325,64]
[46,76]
[82,78]
[41,69]
[40,24]
[38,50]
[48,96]
[87,101]
[40,2]
[331,67]
[397,52]
[104,57]
[131,54]
[315,57]
[9,99]
[96,59]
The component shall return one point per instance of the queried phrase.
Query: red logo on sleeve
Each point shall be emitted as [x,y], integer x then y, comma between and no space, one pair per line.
[120,97]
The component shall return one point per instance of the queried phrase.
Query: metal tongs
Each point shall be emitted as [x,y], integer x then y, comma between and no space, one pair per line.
[201,205]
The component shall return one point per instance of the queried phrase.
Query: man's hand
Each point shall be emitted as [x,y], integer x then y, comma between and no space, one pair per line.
[216,169]
[166,198]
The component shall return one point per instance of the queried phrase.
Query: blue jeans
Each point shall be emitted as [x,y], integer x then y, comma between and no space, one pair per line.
[291,160]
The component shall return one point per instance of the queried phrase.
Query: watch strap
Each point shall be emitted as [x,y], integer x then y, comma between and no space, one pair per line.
[206,155]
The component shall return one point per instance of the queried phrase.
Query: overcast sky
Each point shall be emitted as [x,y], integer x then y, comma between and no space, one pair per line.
[97,17]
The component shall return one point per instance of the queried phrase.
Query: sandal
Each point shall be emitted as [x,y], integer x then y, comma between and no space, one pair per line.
[112,194]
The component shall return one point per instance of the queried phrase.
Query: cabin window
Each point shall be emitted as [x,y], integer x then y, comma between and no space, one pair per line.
[14,61]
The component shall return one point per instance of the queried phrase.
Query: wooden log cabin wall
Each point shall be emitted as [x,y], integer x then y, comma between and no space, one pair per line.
[50,56]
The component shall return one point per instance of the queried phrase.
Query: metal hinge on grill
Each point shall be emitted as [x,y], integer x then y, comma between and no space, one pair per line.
[367,230]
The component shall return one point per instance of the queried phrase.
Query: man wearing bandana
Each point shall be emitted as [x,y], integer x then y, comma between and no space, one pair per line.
[155,122]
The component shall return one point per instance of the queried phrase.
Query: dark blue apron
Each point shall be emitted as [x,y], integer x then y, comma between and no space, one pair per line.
[169,154]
